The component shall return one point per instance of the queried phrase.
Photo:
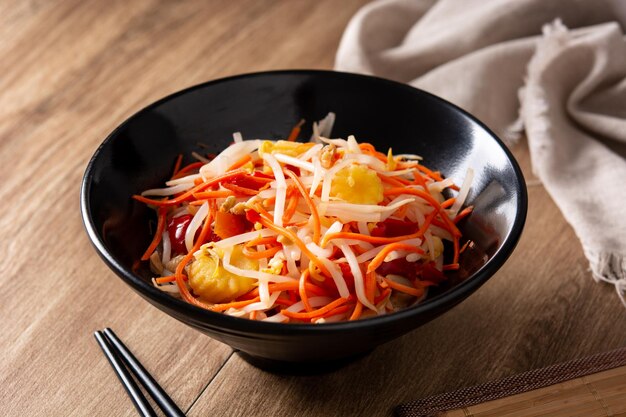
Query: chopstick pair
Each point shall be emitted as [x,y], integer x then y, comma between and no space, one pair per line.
[124,362]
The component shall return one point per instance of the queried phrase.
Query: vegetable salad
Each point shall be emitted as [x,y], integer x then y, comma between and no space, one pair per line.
[285,231]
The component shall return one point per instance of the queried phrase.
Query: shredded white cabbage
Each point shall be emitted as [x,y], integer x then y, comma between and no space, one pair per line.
[463,192]
[195,224]
[359,285]
[162,192]
[281,188]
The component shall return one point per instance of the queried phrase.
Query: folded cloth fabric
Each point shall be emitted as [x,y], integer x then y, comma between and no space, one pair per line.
[516,66]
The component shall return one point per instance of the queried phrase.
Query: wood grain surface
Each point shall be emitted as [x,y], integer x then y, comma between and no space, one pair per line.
[70,72]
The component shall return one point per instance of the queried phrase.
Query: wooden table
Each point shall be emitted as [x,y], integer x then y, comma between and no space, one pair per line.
[70,71]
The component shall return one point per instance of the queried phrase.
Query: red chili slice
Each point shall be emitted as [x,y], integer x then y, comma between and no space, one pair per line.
[248,181]
[400,266]
[432,274]
[393,228]
[177,228]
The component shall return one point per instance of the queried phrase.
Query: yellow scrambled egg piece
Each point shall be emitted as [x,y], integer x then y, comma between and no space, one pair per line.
[275,266]
[211,282]
[285,147]
[357,184]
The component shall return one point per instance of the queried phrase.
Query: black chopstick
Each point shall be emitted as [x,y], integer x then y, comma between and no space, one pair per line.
[123,356]
[139,400]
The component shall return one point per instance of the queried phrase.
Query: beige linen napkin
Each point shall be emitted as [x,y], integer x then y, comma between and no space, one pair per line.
[516,66]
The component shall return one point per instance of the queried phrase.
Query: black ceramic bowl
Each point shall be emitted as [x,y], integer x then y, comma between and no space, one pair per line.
[140,154]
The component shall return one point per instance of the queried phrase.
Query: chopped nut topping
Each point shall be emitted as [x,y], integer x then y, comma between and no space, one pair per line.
[228,203]
[328,155]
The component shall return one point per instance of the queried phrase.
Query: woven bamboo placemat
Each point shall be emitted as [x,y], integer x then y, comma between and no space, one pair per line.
[591,386]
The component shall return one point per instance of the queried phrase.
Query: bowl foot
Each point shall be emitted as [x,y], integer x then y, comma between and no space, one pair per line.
[299,368]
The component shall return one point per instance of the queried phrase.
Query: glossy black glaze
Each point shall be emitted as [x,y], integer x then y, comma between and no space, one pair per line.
[140,154]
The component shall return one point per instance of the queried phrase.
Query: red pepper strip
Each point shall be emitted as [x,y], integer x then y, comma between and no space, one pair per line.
[240,190]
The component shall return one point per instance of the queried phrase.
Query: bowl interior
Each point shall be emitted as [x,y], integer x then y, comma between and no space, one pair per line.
[140,154]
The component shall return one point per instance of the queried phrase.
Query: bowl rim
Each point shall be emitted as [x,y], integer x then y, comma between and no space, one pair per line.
[222,323]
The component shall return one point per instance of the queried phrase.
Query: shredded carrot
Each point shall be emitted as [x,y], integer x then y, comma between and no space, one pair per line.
[335,311]
[429,198]
[267,253]
[401,180]
[315,274]
[179,161]
[293,135]
[292,204]
[365,238]
[391,180]
[241,162]
[234,304]
[301,226]
[406,165]
[197,202]
[167,279]
[239,189]
[463,214]
[378,240]
[287,286]
[298,224]
[384,294]
[157,235]
[284,302]
[448,203]
[214,194]
[294,238]
[356,313]
[268,202]
[190,193]
[380,256]
[314,213]
[370,285]
[260,240]
[416,292]
[316,313]
[455,258]
[401,212]
[258,180]
[369,148]
[186,169]
[302,290]
[419,180]
[432,174]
